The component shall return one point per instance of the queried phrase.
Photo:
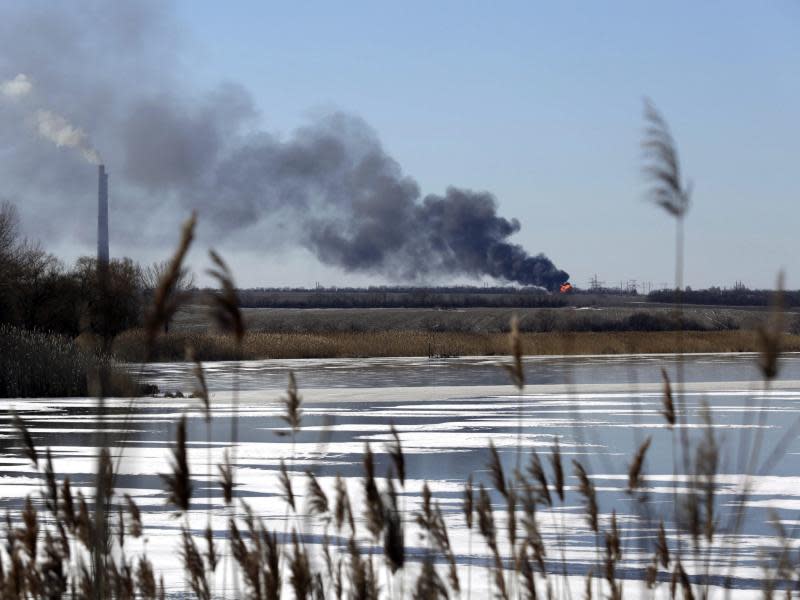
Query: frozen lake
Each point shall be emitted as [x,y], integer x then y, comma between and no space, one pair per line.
[446,411]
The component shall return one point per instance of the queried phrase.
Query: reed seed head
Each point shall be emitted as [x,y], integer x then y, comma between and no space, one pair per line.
[636,467]
[668,410]
[586,489]
[225,303]
[662,166]
[165,300]
[178,482]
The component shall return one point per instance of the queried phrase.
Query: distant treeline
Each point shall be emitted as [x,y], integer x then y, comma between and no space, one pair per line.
[400,297]
[721,297]
[40,293]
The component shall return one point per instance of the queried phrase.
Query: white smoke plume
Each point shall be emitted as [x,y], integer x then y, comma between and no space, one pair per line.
[17,87]
[62,133]
[51,126]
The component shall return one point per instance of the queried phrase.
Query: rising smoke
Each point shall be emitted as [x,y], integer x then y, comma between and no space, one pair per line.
[51,126]
[329,187]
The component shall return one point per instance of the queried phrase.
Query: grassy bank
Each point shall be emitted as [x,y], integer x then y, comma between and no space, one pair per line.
[130,346]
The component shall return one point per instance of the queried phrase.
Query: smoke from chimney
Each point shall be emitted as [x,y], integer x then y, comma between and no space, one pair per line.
[329,187]
[50,125]
[102,215]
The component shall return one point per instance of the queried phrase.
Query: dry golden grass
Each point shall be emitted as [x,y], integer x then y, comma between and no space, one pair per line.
[131,345]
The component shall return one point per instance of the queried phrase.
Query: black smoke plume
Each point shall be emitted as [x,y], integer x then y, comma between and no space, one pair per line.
[330,187]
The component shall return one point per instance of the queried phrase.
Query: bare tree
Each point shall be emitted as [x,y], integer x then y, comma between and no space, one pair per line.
[154,273]
[9,229]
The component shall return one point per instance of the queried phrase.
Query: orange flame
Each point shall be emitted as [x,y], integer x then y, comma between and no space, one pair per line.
[566,288]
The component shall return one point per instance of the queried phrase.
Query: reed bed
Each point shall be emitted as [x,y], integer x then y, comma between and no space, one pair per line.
[131,346]
[37,364]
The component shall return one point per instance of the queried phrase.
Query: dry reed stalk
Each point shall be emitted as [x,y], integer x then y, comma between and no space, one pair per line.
[145,579]
[558,470]
[683,579]
[662,166]
[120,576]
[271,567]
[395,451]
[178,482]
[84,523]
[135,516]
[487,529]
[429,585]
[613,555]
[248,561]
[193,565]
[394,535]
[165,301]
[515,369]
[68,506]
[662,548]
[292,403]
[530,525]
[636,467]
[586,489]
[651,574]
[486,519]
[362,580]
[526,570]
[211,550]
[511,519]
[286,486]
[669,406]
[120,528]
[301,580]
[373,504]
[225,305]
[28,535]
[587,589]
[536,471]
[706,465]
[317,499]
[226,478]
[342,508]
[28,447]
[431,521]
[468,503]
[201,388]
[51,579]
[496,471]
[51,486]
[769,335]
[690,517]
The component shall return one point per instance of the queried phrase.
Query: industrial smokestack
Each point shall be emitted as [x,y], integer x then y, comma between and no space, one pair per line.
[102,215]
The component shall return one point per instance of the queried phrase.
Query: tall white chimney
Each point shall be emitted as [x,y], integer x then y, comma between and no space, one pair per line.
[102,215]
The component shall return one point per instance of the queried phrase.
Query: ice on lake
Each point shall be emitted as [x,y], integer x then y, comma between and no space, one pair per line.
[446,411]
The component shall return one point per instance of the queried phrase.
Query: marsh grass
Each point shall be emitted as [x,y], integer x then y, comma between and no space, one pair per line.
[130,346]
[36,364]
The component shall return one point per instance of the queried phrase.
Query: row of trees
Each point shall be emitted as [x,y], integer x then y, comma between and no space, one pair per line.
[408,298]
[738,296]
[37,291]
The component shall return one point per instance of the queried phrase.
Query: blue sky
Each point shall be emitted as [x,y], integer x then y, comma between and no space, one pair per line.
[540,103]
